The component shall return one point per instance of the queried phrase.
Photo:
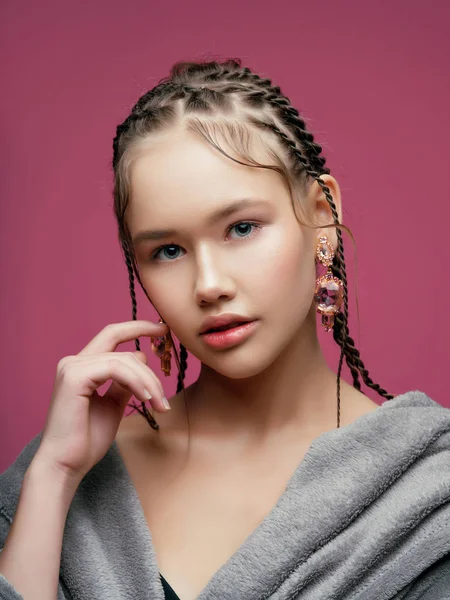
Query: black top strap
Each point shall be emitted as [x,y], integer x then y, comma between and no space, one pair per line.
[169,593]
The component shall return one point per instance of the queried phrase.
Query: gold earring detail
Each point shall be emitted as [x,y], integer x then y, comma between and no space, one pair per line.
[329,292]
[161,346]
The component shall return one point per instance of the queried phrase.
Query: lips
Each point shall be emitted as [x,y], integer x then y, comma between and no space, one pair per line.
[225,327]
[231,336]
[223,322]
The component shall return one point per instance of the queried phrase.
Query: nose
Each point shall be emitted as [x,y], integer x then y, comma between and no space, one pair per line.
[213,281]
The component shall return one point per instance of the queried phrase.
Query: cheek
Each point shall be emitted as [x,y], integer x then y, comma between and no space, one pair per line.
[170,303]
[285,268]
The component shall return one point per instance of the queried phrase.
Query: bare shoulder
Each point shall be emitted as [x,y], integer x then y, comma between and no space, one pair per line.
[357,404]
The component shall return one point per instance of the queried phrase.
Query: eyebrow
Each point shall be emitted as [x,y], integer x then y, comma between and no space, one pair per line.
[222,213]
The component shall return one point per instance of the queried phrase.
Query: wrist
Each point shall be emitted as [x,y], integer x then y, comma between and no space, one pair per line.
[48,475]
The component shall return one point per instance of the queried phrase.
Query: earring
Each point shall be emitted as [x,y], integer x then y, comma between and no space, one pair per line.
[161,346]
[329,290]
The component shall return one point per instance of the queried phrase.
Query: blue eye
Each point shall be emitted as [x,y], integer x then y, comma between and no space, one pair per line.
[244,224]
[247,230]
[168,248]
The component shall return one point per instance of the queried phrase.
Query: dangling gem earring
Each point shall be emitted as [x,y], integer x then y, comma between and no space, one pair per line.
[162,346]
[329,290]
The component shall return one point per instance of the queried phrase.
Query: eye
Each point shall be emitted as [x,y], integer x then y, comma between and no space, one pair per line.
[245,229]
[170,252]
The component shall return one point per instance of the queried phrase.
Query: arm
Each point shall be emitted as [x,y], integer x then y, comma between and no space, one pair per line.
[30,559]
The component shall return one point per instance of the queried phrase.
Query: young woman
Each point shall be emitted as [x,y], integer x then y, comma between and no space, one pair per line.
[270,476]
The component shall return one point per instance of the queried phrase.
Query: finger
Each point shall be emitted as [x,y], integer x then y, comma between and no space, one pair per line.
[114,334]
[88,374]
[146,369]
[150,381]
[136,361]
[141,356]
[120,393]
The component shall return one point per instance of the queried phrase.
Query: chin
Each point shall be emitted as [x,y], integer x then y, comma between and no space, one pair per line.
[239,366]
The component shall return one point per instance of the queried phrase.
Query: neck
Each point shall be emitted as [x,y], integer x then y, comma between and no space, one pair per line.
[298,390]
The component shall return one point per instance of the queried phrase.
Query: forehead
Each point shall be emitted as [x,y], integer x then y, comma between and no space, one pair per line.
[179,172]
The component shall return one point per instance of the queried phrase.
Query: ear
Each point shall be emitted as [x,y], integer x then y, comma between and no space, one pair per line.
[321,213]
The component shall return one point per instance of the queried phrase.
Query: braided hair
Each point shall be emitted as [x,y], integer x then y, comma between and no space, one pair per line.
[224,95]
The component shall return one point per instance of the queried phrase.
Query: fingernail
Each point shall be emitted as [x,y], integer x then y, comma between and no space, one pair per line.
[147,394]
[166,403]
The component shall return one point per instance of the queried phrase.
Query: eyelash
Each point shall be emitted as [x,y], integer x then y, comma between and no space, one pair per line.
[251,234]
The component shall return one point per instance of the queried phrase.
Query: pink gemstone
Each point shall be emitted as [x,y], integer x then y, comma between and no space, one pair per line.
[324,251]
[328,296]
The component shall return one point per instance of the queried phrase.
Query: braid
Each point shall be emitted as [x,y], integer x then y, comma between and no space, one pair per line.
[273,95]
[183,367]
[144,410]
[183,352]
[352,352]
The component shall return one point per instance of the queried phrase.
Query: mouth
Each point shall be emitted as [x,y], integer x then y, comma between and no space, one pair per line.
[231,325]
[229,335]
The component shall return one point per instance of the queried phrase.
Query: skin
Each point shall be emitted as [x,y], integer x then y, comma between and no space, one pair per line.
[255,408]
[278,377]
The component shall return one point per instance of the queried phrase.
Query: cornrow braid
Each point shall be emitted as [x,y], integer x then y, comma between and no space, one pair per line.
[137,112]
[274,96]
[231,71]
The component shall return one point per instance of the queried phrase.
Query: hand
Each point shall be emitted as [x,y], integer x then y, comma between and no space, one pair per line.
[81,425]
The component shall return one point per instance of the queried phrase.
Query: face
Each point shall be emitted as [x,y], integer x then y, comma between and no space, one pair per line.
[256,261]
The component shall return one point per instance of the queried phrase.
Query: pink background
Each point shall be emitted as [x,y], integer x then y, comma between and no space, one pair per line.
[373,78]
